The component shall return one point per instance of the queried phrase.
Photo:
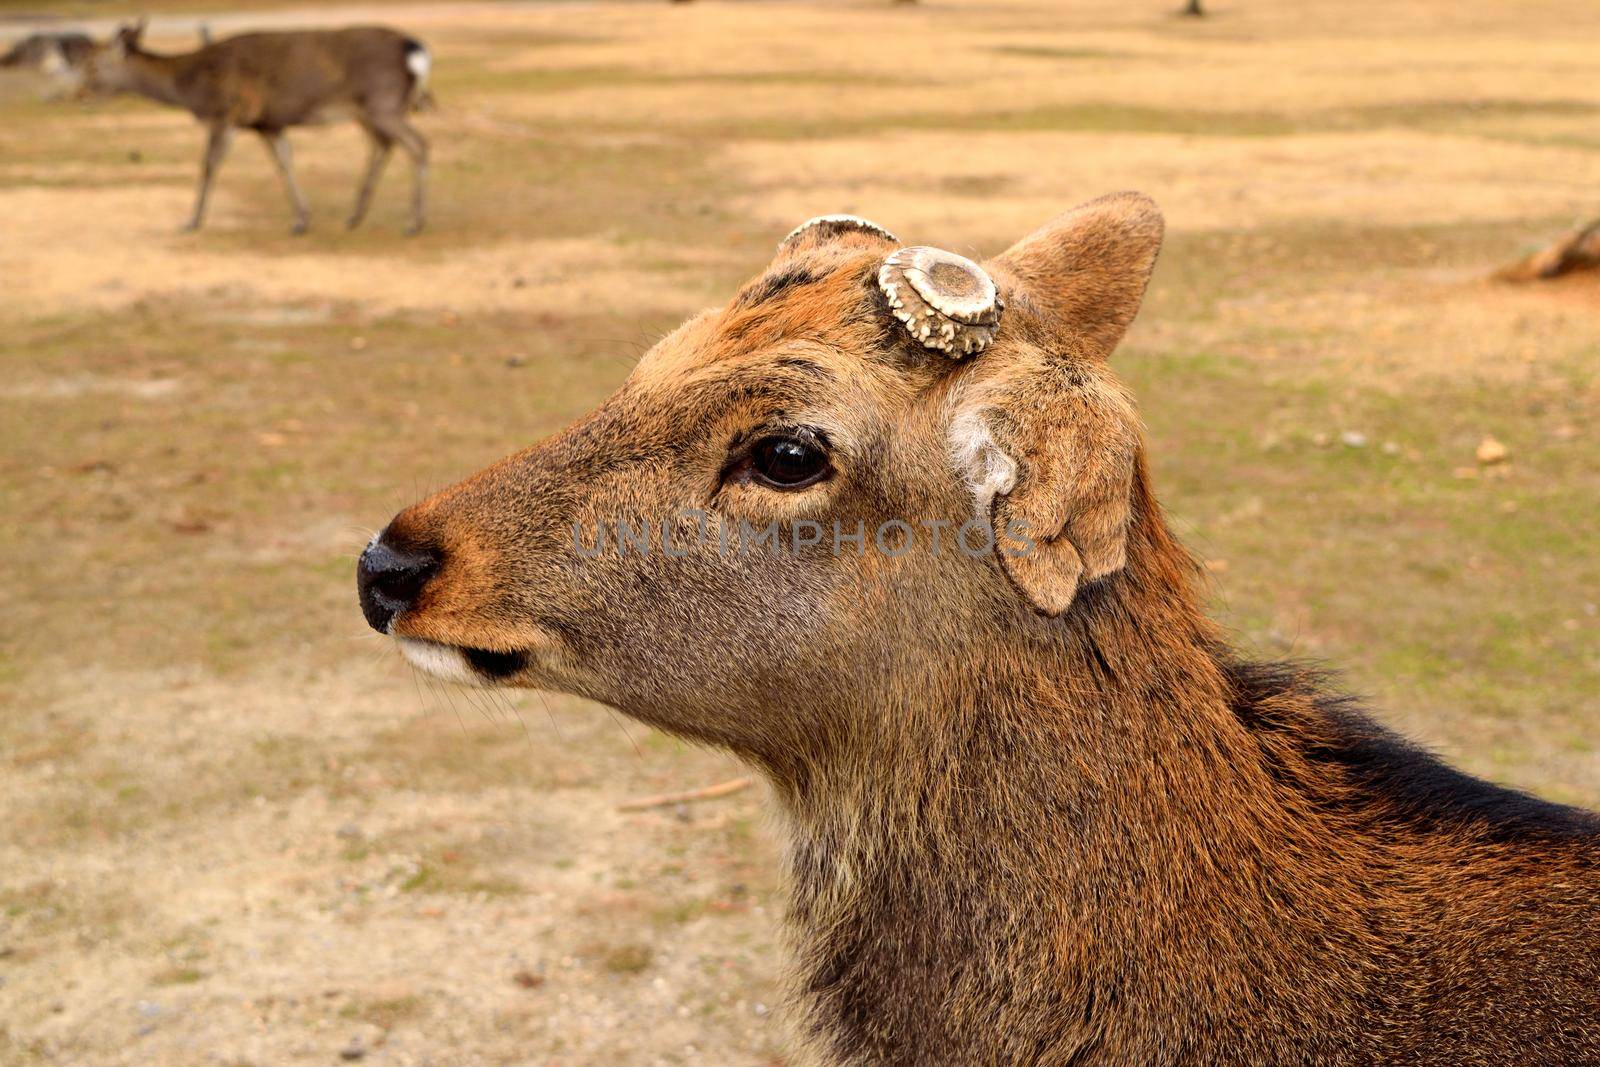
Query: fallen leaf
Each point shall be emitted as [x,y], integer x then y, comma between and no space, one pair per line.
[1491,451]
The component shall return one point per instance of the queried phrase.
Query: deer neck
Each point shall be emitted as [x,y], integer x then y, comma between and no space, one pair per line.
[157,77]
[1082,808]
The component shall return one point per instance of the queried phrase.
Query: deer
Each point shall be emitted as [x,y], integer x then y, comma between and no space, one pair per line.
[59,56]
[1037,809]
[49,52]
[270,82]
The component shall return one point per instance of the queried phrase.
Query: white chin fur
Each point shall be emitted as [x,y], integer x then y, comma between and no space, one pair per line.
[441,661]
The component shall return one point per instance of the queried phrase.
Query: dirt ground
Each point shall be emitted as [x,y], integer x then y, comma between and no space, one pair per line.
[237,830]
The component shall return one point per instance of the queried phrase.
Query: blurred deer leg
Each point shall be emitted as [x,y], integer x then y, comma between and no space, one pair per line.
[381,144]
[417,148]
[284,158]
[217,141]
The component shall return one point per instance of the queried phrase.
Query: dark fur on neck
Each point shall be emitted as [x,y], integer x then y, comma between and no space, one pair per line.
[1337,752]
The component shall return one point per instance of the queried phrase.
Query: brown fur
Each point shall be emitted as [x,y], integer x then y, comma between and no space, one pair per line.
[1037,813]
[269,82]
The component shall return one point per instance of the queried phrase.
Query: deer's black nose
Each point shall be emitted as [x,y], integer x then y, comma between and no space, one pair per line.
[389,578]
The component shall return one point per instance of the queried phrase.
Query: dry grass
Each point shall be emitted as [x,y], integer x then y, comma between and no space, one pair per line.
[238,831]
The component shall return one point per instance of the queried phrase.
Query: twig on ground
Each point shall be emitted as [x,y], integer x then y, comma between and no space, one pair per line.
[666,800]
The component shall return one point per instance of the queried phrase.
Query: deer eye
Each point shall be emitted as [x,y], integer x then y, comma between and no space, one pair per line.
[789,462]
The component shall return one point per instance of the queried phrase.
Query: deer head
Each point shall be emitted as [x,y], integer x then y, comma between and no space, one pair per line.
[869,467]
[106,70]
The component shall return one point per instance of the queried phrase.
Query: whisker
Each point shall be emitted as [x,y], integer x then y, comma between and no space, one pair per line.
[483,707]
[440,688]
[637,751]
[551,715]
[416,685]
[511,706]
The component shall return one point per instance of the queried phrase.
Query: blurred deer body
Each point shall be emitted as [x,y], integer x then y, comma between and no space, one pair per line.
[61,56]
[49,51]
[270,82]
[1038,810]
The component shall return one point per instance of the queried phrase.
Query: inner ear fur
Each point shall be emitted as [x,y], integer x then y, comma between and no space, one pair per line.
[1047,436]
[1050,452]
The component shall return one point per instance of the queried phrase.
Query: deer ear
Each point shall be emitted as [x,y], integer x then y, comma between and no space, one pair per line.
[129,36]
[1047,438]
[1084,272]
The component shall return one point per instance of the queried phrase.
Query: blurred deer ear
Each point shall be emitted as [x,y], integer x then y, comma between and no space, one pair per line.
[126,39]
[1084,272]
[1046,437]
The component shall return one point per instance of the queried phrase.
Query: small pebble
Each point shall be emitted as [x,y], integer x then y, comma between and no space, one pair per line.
[1353,439]
[355,1050]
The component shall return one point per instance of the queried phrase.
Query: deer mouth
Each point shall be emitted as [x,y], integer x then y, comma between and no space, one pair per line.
[495,665]
[461,663]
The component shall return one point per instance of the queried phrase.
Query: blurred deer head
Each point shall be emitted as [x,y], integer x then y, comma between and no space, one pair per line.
[106,70]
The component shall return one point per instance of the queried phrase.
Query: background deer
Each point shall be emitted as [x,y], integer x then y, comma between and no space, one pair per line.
[269,82]
[1038,810]
[49,52]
